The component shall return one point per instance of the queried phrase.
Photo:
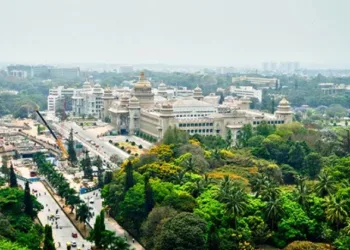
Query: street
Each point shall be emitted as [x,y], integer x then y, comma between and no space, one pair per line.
[63,235]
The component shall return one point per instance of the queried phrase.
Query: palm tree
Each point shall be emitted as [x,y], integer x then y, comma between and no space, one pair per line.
[269,191]
[259,183]
[336,211]
[207,180]
[273,210]
[234,198]
[326,184]
[72,201]
[180,177]
[302,191]
[198,188]
[83,214]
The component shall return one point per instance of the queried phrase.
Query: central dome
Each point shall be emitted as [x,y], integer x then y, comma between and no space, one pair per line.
[142,83]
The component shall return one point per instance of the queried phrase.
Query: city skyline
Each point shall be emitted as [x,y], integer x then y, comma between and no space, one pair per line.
[203,33]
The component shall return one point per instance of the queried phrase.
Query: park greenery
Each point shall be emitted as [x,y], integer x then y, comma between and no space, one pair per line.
[285,186]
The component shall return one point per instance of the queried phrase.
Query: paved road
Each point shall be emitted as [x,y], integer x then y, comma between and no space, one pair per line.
[111,224]
[60,235]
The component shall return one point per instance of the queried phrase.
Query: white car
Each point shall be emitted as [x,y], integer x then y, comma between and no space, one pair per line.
[57,216]
[74,244]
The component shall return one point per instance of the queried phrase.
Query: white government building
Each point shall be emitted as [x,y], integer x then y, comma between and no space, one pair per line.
[142,110]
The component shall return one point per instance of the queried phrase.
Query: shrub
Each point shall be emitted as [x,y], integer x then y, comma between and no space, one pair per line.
[129,151]
[140,146]
[127,140]
[122,148]
[116,144]
[133,143]
[136,154]
[110,141]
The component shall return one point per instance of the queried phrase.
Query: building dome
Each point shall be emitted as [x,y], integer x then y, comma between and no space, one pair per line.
[198,90]
[167,105]
[134,100]
[142,83]
[161,85]
[284,102]
[86,85]
[97,89]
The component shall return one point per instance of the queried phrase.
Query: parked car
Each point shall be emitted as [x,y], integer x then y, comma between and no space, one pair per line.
[75,235]
[74,244]
[92,201]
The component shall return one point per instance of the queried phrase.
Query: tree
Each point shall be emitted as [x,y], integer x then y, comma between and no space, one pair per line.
[302,191]
[48,240]
[229,139]
[129,177]
[314,164]
[4,169]
[336,211]
[72,201]
[28,203]
[13,178]
[297,156]
[325,185]
[107,177]
[213,238]
[111,241]
[234,198]
[183,231]
[245,135]
[71,150]
[153,224]
[149,198]
[96,233]
[99,164]
[86,165]
[264,129]
[83,214]
[273,211]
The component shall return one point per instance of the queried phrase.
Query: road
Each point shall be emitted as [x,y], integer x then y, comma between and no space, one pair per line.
[105,150]
[63,235]
[110,223]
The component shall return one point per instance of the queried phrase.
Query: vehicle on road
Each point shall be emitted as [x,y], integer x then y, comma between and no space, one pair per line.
[57,216]
[92,201]
[74,244]
[75,235]
[34,190]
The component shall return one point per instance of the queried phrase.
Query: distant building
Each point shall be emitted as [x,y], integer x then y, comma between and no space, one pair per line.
[19,74]
[40,71]
[65,73]
[247,91]
[259,82]
[60,98]
[126,69]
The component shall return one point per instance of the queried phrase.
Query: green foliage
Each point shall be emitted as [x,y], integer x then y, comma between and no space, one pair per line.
[149,197]
[4,244]
[87,166]
[28,203]
[129,177]
[183,231]
[13,179]
[48,239]
[71,150]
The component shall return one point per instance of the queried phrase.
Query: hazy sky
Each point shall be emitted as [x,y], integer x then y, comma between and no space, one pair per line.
[199,32]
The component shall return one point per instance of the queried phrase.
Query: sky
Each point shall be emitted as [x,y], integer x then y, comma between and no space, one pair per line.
[183,32]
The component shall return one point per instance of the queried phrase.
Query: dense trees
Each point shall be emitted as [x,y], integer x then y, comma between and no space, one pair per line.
[274,187]
[87,166]
[83,213]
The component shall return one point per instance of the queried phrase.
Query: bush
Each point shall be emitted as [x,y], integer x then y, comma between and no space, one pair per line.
[127,140]
[122,148]
[116,144]
[136,154]
[133,143]
[110,141]
[129,151]
[140,146]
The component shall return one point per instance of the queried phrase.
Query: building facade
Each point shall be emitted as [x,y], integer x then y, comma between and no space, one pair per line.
[247,91]
[141,110]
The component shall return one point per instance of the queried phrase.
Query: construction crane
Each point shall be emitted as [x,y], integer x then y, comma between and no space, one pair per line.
[58,140]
